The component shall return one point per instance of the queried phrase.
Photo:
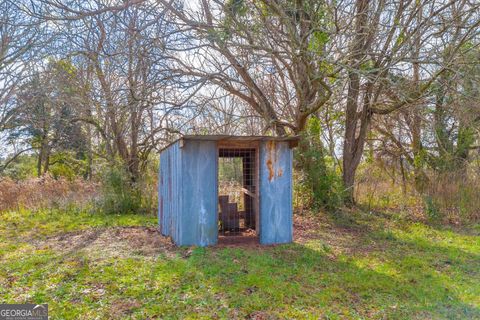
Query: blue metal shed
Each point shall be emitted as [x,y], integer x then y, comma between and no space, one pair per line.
[191,211]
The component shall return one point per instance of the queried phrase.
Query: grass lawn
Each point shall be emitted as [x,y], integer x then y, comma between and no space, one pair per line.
[351,265]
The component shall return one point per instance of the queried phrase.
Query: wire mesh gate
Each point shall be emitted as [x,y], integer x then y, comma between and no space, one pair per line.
[237,192]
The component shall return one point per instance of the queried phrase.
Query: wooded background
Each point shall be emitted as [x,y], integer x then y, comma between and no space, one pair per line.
[385,94]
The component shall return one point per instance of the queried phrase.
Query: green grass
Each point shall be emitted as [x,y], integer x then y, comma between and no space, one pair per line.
[352,265]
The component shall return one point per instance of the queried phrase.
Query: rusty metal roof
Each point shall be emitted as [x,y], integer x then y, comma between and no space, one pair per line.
[220,137]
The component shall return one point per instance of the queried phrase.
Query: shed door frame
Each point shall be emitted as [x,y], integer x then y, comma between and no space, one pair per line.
[231,144]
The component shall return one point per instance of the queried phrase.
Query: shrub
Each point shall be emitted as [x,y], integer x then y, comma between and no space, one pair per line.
[317,185]
[119,193]
[123,194]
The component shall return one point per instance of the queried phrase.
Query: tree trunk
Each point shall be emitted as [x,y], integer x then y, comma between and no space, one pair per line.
[39,162]
[42,154]
[416,131]
[349,143]
[349,184]
[46,165]
[355,136]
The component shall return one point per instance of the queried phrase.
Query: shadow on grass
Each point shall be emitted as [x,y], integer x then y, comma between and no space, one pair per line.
[295,280]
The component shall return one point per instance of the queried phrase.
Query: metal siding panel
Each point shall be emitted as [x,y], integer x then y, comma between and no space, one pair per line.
[169,191]
[161,195]
[176,185]
[199,215]
[276,220]
[163,211]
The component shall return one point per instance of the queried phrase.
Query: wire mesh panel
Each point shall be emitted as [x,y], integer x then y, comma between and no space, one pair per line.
[237,192]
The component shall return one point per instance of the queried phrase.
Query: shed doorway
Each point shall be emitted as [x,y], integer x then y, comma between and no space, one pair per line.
[238,195]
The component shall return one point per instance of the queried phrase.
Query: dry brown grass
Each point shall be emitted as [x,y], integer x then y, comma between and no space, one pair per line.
[110,242]
[454,196]
[451,197]
[45,192]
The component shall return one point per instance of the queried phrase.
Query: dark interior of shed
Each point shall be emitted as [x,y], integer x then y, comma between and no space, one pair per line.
[237,193]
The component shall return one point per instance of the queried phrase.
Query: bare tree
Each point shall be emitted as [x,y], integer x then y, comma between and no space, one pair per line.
[19,35]
[381,49]
[122,53]
[270,54]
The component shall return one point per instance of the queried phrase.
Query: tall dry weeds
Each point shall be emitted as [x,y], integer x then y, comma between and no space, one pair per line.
[449,197]
[454,196]
[45,192]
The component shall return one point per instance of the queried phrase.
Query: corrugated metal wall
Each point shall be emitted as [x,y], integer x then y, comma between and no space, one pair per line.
[276,224]
[200,203]
[170,191]
[187,201]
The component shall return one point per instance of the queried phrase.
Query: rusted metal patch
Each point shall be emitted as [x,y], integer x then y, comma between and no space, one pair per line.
[271,171]
[272,161]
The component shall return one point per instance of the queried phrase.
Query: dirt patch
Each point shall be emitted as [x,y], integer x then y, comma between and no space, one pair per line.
[111,242]
[260,315]
[238,241]
[147,241]
[121,309]
[306,228]
[351,240]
